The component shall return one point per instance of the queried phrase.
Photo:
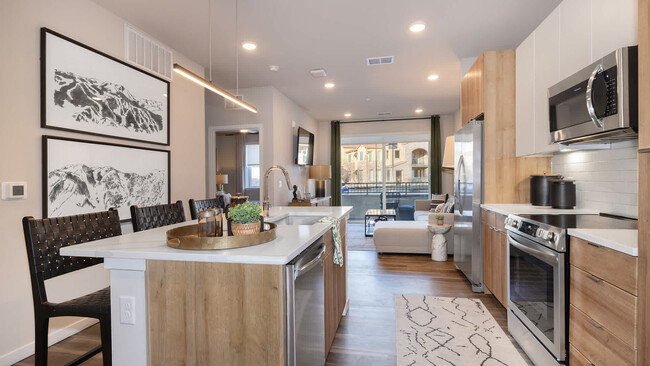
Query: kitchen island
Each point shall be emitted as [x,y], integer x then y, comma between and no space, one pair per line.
[213,307]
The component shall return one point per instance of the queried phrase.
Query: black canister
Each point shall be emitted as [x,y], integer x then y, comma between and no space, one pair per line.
[563,193]
[540,189]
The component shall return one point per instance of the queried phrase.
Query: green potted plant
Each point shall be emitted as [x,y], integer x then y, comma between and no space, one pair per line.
[440,219]
[245,218]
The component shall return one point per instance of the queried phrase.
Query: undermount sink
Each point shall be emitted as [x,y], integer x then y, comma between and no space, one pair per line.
[298,220]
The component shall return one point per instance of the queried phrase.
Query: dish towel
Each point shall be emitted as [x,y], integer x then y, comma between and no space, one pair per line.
[336,233]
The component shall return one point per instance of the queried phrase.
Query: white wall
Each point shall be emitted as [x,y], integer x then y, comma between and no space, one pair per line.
[606,180]
[275,114]
[20,151]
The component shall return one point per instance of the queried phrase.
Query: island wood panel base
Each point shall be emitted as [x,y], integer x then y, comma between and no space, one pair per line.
[335,278]
[643,330]
[215,313]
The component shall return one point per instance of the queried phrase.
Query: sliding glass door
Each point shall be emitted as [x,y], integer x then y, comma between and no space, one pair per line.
[384,176]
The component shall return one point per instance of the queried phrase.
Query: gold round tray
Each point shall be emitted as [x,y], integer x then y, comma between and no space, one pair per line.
[187,237]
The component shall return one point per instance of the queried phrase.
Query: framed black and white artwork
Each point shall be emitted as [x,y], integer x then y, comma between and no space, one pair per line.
[84,90]
[85,176]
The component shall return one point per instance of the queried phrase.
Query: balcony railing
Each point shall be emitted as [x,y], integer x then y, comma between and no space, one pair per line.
[376,188]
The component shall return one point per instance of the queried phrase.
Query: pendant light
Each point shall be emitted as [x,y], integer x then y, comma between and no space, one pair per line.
[208,84]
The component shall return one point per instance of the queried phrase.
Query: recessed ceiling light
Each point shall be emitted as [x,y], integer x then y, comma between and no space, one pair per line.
[274,68]
[417,27]
[348,115]
[433,77]
[419,110]
[249,46]
[244,130]
[329,85]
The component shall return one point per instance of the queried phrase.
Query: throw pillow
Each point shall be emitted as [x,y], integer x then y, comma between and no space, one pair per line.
[437,199]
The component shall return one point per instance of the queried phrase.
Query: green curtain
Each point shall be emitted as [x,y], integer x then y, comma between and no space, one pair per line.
[436,156]
[335,161]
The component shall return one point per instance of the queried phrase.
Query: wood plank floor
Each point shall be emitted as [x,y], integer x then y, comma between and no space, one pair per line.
[366,336]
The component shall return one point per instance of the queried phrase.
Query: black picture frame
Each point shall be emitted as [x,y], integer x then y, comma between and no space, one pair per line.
[109,114]
[80,177]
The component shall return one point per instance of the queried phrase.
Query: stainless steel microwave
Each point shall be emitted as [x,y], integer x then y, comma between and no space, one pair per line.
[598,103]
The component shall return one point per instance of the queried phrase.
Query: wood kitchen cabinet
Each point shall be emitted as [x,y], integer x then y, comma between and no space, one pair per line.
[335,278]
[506,177]
[603,305]
[472,91]
[495,255]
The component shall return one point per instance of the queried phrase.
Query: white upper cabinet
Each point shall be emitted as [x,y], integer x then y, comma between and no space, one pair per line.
[547,73]
[614,25]
[574,35]
[526,97]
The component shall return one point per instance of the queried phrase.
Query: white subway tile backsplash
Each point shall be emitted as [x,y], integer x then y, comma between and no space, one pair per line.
[606,180]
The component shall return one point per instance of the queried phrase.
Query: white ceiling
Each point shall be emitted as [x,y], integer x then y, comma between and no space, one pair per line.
[338,35]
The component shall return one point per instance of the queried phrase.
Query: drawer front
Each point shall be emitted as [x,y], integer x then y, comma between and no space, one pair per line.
[614,267]
[596,343]
[608,305]
[576,358]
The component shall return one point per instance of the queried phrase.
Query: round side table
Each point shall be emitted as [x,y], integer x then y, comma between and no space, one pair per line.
[439,243]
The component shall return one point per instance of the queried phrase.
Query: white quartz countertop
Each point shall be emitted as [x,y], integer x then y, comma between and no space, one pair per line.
[528,209]
[624,241]
[290,241]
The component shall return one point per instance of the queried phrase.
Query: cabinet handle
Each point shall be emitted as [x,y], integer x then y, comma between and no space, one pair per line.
[594,323]
[594,278]
[590,364]
[594,244]
[491,228]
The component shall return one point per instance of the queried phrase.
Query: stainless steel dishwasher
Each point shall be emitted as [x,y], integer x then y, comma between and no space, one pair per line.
[306,307]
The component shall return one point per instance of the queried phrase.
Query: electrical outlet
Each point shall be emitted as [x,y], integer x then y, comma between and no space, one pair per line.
[127,310]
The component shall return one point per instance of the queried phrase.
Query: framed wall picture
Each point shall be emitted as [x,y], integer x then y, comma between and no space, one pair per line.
[84,90]
[85,176]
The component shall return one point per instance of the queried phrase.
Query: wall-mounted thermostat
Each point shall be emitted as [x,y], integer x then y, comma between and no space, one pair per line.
[14,190]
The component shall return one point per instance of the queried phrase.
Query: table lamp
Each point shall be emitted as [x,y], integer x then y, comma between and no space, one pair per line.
[320,173]
[221,180]
[448,156]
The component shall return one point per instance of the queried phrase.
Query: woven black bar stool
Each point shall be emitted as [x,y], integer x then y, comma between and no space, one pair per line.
[44,238]
[197,206]
[145,218]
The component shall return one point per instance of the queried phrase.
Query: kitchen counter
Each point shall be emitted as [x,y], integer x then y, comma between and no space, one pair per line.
[624,241]
[151,244]
[528,209]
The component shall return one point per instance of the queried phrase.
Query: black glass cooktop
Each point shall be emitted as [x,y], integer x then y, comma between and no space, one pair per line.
[568,221]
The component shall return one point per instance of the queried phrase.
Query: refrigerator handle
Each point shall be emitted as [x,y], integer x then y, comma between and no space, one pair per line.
[457,185]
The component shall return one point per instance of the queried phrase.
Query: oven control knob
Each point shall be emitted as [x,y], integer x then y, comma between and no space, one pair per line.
[540,233]
[549,236]
[508,221]
[517,224]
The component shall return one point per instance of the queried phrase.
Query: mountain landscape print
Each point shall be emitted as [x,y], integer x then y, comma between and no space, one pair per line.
[86,176]
[87,91]
[103,103]
[77,188]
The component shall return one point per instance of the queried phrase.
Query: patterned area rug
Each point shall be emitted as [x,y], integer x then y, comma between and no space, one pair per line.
[446,331]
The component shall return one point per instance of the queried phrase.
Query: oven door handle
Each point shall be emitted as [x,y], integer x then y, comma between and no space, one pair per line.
[548,258]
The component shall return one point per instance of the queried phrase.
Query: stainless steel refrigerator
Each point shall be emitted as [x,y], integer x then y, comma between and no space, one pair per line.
[468,190]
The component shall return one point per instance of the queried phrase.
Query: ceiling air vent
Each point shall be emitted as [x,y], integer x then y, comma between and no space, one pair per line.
[384,60]
[231,106]
[318,73]
[384,114]
[147,53]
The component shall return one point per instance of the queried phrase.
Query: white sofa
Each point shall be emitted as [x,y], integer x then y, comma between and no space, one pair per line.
[411,236]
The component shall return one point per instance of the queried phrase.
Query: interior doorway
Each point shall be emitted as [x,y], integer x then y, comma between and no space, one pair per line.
[234,154]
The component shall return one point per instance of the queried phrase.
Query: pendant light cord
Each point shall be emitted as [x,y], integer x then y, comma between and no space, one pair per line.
[237,43]
[210,35]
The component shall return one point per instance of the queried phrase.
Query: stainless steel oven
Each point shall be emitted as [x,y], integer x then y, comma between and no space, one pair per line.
[537,290]
[598,102]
